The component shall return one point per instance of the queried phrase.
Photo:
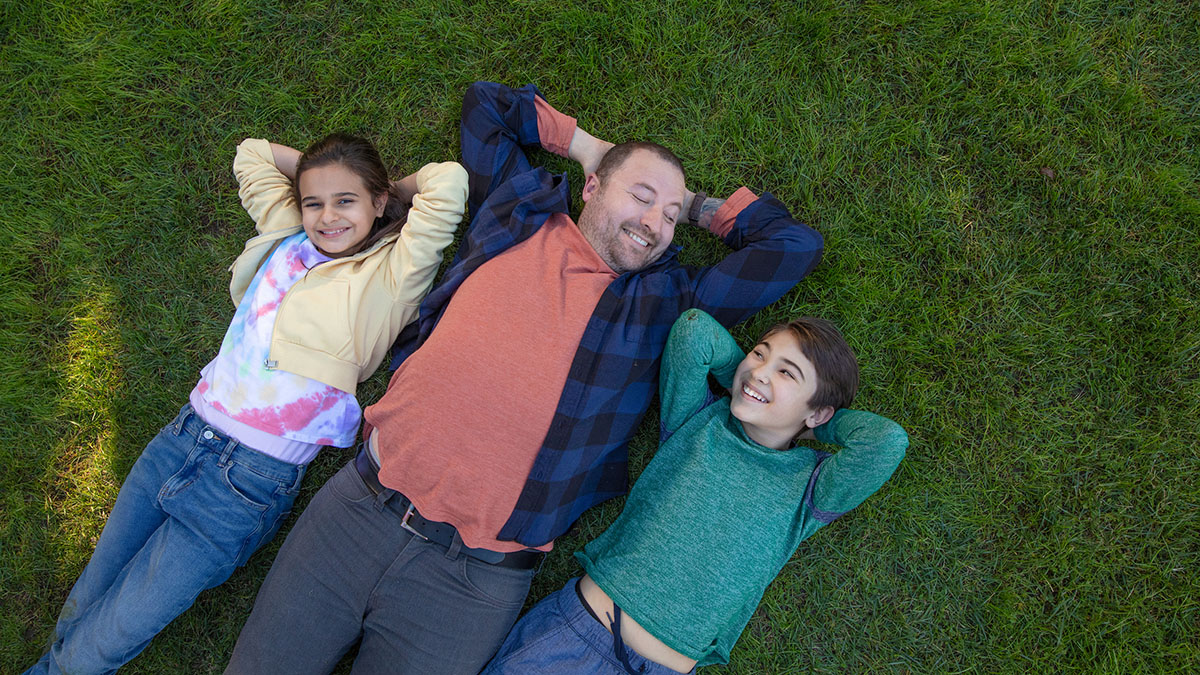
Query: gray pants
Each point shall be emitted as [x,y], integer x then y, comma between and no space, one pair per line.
[349,573]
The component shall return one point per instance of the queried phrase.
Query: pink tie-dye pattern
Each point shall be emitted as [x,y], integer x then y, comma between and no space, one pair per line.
[266,309]
[291,416]
[296,408]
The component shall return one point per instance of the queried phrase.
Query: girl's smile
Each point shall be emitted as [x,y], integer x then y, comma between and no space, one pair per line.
[336,209]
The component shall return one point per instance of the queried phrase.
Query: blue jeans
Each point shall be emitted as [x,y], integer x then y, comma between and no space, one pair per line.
[349,573]
[559,636]
[193,508]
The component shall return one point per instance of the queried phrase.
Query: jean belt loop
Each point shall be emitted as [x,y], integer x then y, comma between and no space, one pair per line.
[230,446]
[382,499]
[182,418]
[455,546]
[300,469]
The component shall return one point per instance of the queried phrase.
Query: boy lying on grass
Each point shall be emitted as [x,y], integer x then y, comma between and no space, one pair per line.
[721,507]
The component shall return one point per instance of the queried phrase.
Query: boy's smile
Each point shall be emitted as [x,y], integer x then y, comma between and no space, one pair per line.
[772,388]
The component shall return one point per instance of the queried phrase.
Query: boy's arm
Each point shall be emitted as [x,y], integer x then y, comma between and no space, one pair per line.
[697,346]
[497,123]
[872,447]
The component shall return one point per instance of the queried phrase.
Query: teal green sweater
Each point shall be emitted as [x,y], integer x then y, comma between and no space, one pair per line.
[715,516]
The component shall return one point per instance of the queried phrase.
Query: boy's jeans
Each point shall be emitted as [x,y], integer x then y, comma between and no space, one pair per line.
[559,636]
[193,508]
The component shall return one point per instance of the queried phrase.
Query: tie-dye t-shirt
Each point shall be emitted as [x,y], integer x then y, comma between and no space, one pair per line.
[239,385]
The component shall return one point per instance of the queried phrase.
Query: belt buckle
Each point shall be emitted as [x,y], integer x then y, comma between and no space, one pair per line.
[404,522]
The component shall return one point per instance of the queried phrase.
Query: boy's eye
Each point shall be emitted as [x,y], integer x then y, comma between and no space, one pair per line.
[345,201]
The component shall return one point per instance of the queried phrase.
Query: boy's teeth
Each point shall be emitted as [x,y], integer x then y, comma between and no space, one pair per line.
[751,393]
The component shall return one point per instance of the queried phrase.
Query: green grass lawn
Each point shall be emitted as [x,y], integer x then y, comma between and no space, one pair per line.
[1010,201]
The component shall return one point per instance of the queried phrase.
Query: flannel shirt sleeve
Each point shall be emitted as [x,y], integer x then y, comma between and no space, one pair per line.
[772,252]
[497,123]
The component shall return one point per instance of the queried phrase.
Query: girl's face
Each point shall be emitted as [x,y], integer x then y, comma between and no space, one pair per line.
[336,209]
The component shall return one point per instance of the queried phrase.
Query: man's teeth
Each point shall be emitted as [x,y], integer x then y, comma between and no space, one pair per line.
[752,394]
[639,240]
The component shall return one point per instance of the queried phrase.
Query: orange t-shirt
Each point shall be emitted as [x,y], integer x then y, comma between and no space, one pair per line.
[465,415]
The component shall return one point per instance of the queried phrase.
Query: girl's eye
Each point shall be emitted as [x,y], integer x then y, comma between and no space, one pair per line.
[788,374]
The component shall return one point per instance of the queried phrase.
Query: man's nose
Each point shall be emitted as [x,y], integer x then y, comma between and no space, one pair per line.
[652,218]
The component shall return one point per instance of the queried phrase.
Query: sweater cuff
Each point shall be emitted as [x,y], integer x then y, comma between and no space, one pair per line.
[555,129]
[722,221]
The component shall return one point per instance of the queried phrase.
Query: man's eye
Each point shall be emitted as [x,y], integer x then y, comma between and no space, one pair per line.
[643,201]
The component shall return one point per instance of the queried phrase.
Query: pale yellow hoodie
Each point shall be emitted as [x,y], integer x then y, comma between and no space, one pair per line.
[336,324]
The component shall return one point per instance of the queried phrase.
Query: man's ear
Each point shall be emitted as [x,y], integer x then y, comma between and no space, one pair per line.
[820,416]
[591,186]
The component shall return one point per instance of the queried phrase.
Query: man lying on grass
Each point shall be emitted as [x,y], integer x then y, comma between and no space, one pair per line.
[721,507]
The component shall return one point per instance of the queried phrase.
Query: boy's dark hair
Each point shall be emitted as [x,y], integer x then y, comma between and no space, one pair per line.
[617,155]
[359,156]
[834,361]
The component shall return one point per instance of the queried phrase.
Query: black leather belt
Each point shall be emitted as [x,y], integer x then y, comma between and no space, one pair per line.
[441,533]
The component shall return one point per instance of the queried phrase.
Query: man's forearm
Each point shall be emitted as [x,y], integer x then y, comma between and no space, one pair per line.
[707,209]
[587,150]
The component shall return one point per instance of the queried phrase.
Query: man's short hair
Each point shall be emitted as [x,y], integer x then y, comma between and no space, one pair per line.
[617,155]
[837,367]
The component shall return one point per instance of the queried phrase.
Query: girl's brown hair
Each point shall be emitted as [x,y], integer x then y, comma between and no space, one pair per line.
[359,156]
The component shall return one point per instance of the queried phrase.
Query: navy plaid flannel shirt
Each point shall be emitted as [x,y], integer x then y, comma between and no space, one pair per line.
[614,373]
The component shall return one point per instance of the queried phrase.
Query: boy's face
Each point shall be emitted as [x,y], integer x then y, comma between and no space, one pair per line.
[772,389]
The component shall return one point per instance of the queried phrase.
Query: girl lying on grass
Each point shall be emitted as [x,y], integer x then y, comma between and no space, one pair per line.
[720,509]
[339,266]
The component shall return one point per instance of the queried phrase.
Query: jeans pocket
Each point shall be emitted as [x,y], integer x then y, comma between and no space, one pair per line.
[500,586]
[349,486]
[256,490]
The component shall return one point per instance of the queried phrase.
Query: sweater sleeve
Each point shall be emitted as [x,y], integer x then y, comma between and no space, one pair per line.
[697,346]
[436,211]
[872,447]
[265,192]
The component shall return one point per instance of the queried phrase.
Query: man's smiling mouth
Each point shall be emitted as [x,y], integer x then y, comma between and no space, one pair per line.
[637,239]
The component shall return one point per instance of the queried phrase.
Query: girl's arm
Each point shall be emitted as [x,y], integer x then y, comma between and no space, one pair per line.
[438,197]
[697,346]
[264,189]
[285,160]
